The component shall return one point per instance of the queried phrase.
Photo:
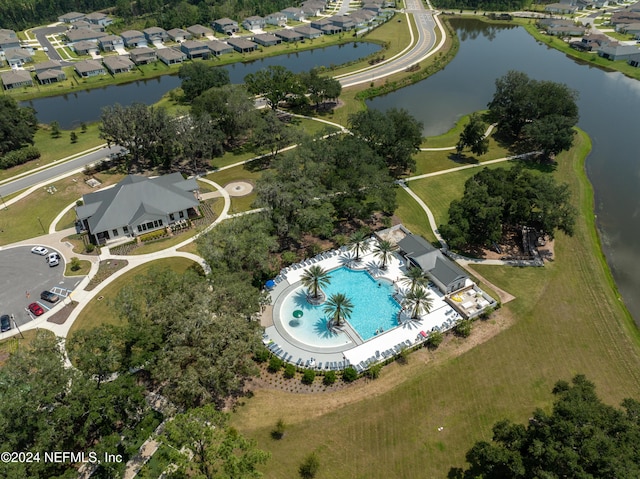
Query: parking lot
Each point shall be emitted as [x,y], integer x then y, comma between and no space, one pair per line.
[23,276]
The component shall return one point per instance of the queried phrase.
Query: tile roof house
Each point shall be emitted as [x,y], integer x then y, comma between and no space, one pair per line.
[98,18]
[179,35]
[8,39]
[49,72]
[194,49]
[254,22]
[133,39]
[143,55]
[71,17]
[199,31]
[136,205]
[89,68]
[17,56]
[84,34]
[118,64]
[155,34]
[218,48]
[278,19]
[242,45]
[111,43]
[225,25]
[16,79]
[266,39]
[171,56]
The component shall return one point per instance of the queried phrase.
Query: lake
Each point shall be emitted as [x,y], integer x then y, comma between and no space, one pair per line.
[609,103]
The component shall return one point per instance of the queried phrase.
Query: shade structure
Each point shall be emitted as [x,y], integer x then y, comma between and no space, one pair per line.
[270,284]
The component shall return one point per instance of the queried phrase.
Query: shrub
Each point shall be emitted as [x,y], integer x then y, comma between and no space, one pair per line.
[463,328]
[79,203]
[154,235]
[89,247]
[289,257]
[75,264]
[289,371]
[309,467]
[403,357]
[308,376]
[435,339]
[73,137]
[261,355]
[349,375]
[18,157]
[329,378]
[278,431]
[374,371]
[275,364]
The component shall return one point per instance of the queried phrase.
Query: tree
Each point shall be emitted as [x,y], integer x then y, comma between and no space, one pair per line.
[275,83]
[415,278]
[272,133]
[419,301]
[582,437]
[473,136]
[96,352]
[17,125]
[202,444]
[309,467]
[314,279]
[435,339]
[55,129]
[359,243]
[199,140]
[73,137]
[198,77]
[383,250]
[339,308]
[320,88]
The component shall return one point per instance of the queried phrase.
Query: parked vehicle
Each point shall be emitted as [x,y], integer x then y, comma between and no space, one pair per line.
[5,323]
[53,259]
[49,296]
[41,250]
[36,309]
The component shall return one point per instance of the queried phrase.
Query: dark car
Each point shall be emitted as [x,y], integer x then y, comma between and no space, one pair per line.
[36,309]
[5,323]
[49,296]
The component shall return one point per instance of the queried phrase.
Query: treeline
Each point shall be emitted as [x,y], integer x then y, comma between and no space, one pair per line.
[484,5]
[30,13]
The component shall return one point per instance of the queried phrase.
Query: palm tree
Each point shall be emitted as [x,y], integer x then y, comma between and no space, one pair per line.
[339,307]
[313,279]
[415,277]
[419,301]
[383,251]
[358,243]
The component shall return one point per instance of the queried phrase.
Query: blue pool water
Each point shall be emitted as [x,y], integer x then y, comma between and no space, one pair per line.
[374,308]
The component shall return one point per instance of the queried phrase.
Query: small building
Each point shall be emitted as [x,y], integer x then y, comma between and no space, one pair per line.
[118,64]
[16,57]
[289,35]
[307,31]
[15,79]
[8,39]
[98,18]
[171,56]
[71,17]
[49,72]
[294,13]
[89,68]
[111,43]
[84,34]
[155,34]
[616,51]
[179,35]
[137,205]
[225,25]
[143,55]
[254,22]
[634,60]
[199,31]
[277,19]
[266,39]
[218,48]
[134,39]
[194,49]
[242,45]
[85,47]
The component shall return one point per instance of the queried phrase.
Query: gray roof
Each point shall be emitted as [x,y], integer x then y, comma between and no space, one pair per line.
[178,32]
[15,76]
[198,29]
[241,43]
[17,54]
[137,199]
[225,21]
[130,34]
[288,34]
[86,66]
[218,46]
[446,270]
[111,39]
[79,34]
[430,259]
[117,62]
[194,45]
[71,16]
[266,37]
[154,31]
[85,45]
[48,65]
[169,54]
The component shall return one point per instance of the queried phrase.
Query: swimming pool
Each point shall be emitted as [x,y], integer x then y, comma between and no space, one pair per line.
[374,309]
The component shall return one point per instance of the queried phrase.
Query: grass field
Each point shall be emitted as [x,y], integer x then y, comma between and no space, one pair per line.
[566,319]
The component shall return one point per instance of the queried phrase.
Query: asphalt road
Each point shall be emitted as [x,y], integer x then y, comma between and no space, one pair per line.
[41,33]
[24,271]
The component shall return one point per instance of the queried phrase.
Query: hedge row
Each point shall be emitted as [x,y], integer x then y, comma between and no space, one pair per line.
[19,157]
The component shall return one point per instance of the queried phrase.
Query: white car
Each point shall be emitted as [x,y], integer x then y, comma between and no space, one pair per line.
[53,259]
[41,250]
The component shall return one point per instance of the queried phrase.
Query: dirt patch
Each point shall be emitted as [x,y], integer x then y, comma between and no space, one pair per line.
[239,188]
[61,316]
[511,248]
[106,269]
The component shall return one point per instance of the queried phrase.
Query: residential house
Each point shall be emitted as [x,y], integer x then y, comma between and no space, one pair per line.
[111,43]
[89,68]
[143,55]
[590,42]
[564,8]
[225,25]
[266,39]
[307,31]
[171,56]
[294,13]
[312,9]
[134,39]
[343,21]
[632,29]
[289,35]
[15,79]
[16,57]
[326,26]
[616,51]
[71,17]
[278,19]
[8,39]
[194,49]
[137,205]
[199,31]
[622,18]
[372,7]
[98,18]
[367,16]
[179,35]
[85,47]
[254,23]
[242,45]
[566,31]
[634,60]
[49,72]
[218,48]
[118,64]
[155,34]
[84,35]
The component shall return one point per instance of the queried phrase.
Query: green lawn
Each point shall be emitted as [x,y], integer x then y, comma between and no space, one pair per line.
[164,243]
[100,309]
[85,266]
[412,215]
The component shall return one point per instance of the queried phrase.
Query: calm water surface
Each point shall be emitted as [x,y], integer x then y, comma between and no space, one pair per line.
[86,105]
[609,105]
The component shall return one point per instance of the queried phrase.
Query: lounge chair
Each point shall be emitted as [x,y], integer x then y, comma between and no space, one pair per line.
[319,366]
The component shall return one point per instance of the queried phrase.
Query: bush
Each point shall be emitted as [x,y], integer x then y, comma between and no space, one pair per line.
[289,257]
[309,467]
[75,264]
[278,431]
[463,328]
[275,364]
[435,339]
[18,157]
[349,375]
[374,371]
[154,235]
[308,376]
[403,357]
[79,203]
[289,371]
[329,378]
[89,247]
[261,355]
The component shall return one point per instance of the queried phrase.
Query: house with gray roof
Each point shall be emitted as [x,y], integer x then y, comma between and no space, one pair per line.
[134,39]
[254,22]
[179,35]
[343,21]
[617,51]
[326,26]
[194,49]
[89,68]
[118,64]
[218,48]
[632,29]
[71,17]
[111,43]
[242,45]
[98,18]
[85,47]
[137,205]
[294,13]
[307,31]
[84,34]
[49,72]
[634,60]
[565,8]
[225,25]
[16,79]
[278,19]
[16,57]
[143,55]
[289,35]
[266,39]
[171,56]
[155,34]
[199,31]
[8,39]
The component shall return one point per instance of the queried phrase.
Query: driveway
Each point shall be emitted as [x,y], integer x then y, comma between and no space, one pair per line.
[22,272]
[41,36]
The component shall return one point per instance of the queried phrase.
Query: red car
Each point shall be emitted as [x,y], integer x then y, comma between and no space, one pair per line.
[36,309]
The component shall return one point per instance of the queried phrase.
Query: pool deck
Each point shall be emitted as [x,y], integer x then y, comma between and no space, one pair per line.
[356,352]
